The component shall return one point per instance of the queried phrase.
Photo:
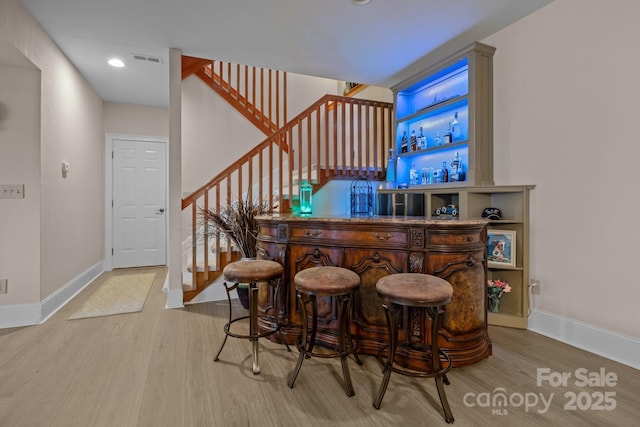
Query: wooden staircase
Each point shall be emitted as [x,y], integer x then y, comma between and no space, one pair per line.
[337,137]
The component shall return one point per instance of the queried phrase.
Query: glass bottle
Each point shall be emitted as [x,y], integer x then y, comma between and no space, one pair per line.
[455,167]
[404,147]
[448,135]
[437,141]
[305,198]
[445,172]
[391,170]
[413,175]
[461,174]
[456,132]
[413,141]
[422,141]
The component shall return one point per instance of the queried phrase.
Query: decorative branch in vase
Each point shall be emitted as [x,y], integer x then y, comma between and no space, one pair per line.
[236,221]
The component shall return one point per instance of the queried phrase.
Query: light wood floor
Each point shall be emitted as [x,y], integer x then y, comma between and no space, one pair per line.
[155,368]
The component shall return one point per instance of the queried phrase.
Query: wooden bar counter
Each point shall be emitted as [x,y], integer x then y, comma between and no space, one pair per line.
[374,247]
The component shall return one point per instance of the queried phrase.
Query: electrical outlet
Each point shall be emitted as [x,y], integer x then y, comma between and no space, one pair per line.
[3,285]
[535,287]
[11,191]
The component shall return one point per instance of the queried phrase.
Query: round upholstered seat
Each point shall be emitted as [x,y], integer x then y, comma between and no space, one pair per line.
[252,270]
[415,290]
[326,281]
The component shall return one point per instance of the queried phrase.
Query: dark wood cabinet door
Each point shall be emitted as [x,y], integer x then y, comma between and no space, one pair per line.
[464,327]
[369,321]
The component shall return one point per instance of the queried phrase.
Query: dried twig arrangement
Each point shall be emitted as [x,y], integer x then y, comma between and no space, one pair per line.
[236,221]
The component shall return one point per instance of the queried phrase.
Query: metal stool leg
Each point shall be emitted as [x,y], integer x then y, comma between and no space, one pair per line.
[276,304]
[226,327]
[390,312]
[314,325]
[253,325]
[302,342]
[344,334]
[435,357]
[350,341]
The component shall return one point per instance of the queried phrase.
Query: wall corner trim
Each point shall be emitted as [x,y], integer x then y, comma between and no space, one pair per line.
[174,296]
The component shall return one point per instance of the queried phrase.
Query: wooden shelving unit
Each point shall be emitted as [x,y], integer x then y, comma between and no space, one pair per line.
[461,86]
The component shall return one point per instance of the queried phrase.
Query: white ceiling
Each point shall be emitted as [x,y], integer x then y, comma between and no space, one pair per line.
[380,44]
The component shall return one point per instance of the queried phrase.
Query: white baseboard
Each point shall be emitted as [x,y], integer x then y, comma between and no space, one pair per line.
[604,343]
[18,315]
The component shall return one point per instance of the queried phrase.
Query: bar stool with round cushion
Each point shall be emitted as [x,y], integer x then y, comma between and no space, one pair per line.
[324,281]
[252,272]
[417,291]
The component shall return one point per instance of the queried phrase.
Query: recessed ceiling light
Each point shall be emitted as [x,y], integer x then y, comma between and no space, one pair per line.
[360,2]
[115,62]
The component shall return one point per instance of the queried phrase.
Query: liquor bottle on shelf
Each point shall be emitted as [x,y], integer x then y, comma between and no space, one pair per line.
[445,172]
[461,174]
[413,175]
[456,132]
[413,141]
[448,136]
[422,140]
[391,171]
[455,167]
[404,146]
[437,141]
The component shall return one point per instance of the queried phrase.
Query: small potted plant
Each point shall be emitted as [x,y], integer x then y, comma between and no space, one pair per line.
[236,222]
[495,290]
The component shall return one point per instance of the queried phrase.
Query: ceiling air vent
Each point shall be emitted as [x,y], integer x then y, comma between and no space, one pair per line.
[147,58]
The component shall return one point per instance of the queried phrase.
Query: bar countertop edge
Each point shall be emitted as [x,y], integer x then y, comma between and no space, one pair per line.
[374,219]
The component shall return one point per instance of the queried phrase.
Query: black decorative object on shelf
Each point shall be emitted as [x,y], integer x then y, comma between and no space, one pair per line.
[361,197]
[492,213]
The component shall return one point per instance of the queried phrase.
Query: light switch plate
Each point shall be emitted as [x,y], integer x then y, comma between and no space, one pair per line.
[3,285]
[11,191]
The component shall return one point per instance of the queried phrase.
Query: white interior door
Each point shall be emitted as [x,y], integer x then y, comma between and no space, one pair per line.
[139,203]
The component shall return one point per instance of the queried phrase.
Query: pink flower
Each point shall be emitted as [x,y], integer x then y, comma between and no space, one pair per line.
[498,287]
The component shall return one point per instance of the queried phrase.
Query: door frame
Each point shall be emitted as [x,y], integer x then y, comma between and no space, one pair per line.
[108,190]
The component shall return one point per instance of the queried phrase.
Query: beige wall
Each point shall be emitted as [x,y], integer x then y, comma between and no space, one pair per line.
[138,120]
[213,134]
[20,164]
[71,209]
[376,93]
[566,102]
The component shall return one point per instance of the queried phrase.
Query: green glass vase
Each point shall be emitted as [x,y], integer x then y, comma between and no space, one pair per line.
[494,304]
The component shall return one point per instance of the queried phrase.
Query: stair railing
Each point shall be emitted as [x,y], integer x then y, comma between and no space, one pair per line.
[257,93]
[337,137]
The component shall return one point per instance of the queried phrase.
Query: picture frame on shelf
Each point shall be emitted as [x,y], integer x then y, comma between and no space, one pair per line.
[501,248]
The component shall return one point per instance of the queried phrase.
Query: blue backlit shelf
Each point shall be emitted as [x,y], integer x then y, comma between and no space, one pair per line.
[453,94]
